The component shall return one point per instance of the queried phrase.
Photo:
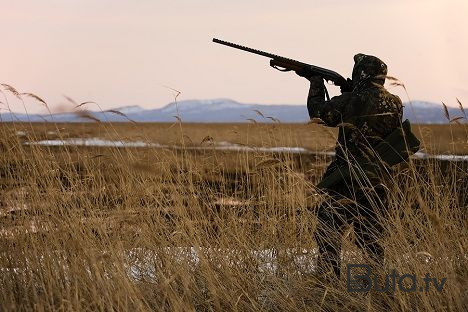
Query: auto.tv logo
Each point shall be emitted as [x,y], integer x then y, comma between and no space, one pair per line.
[359,278]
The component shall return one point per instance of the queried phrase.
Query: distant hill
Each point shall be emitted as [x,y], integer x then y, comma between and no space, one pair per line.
[427,112]
[221,110]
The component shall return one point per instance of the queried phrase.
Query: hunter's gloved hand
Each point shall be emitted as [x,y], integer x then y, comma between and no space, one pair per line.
[316,82]
[348,87]
[317,86]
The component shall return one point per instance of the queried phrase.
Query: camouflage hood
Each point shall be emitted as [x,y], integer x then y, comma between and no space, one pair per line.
[368,68]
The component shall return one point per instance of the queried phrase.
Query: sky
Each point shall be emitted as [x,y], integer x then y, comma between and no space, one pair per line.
[118,53]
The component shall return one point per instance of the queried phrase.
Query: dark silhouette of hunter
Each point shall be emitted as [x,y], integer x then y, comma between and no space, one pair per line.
[371,139]
[369,121]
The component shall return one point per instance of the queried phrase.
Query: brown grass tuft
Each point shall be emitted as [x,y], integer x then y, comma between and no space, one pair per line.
[86,115]
[113,111]
[461,107]
[11,89]
[37,98]
[446,112]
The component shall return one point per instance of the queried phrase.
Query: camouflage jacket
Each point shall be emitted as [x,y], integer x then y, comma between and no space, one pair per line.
[365,116]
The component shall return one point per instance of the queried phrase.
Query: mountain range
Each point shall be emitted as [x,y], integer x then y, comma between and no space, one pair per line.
[221,110]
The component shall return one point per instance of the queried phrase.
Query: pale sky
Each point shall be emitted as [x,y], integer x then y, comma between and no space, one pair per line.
[123,52]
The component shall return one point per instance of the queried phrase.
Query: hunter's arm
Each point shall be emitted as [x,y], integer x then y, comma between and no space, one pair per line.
[332,112]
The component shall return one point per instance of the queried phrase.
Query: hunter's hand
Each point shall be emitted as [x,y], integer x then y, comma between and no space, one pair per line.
[348,87]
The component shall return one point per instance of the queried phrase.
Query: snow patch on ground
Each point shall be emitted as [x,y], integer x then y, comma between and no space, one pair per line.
[222,145]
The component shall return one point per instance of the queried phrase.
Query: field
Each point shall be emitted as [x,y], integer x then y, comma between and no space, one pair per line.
[436,139]
[173,226]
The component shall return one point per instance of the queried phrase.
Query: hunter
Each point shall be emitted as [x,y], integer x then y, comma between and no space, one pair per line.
[367,116]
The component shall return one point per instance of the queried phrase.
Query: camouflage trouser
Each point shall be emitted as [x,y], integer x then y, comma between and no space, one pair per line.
[344,207]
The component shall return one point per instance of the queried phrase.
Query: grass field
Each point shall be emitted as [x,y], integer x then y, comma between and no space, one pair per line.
[436,139]
[109,228]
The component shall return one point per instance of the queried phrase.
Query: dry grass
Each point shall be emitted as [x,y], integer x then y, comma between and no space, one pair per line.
[87,228]
[437,139]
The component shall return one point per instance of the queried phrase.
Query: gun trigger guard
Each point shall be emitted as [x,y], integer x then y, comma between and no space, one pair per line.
[280,69]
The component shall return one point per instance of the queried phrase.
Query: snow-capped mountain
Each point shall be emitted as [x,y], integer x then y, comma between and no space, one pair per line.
[193,106]
[427,112]
[133,109]
[222,110]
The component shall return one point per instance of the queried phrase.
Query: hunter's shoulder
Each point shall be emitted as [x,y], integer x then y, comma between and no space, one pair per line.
[387,95]
[380,97]
[375,91]
[391,101]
